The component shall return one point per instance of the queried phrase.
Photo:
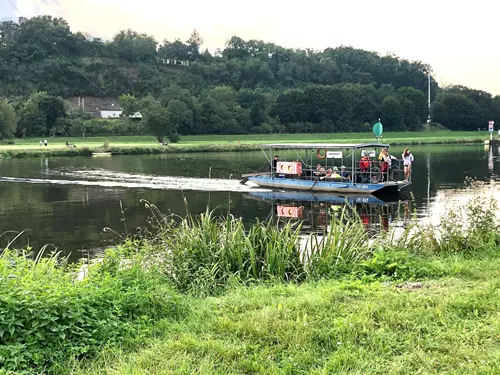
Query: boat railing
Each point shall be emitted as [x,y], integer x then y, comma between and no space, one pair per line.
[376,172]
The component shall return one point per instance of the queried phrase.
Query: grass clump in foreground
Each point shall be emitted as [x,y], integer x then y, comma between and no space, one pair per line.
[261,301]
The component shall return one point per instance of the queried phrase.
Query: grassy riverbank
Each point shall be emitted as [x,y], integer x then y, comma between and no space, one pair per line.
[448,326]
[202,295]
[149,145]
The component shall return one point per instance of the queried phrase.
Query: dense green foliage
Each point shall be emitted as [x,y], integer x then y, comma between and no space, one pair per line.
[7,120]
[246,87]
[46,315]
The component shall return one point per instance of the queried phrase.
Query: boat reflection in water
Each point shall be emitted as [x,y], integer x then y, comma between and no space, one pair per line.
[316,210]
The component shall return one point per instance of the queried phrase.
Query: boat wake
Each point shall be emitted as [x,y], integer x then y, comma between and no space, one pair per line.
[105,178]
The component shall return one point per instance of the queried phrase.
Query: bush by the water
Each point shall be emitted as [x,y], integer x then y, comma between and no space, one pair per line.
[47,316]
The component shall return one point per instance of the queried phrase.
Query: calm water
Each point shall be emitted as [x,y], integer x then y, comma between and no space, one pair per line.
[68,201]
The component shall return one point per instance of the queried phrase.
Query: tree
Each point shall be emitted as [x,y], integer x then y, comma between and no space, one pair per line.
[134,47]
[194,43]
[236,48]
[175,50]
[7,120]
[177,116]
[40,114]
[130,104]
[418,100]
[392,116]
[463,113]
[237,90]
[439,113]
[155,120]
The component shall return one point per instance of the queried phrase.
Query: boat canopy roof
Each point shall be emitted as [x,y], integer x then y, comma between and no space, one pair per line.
[302,146]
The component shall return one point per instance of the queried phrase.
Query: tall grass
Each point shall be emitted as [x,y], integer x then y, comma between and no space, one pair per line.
[202,254]
[205,254]
[461,228]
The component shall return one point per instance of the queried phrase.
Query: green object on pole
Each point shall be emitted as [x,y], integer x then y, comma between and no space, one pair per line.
[378,129]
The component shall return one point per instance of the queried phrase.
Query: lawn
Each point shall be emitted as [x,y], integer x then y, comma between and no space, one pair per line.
[441,326]
[194,142]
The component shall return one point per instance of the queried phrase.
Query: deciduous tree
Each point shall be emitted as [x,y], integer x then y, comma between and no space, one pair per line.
[7,120]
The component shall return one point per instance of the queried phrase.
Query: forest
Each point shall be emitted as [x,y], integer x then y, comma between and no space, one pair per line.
[248,86]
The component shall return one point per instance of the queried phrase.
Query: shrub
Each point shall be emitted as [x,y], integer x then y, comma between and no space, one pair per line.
[47,316]
[174,137]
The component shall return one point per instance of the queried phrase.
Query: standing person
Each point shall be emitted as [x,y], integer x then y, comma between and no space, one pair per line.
[384,160]
[45,142]
[407,162]
[41,143]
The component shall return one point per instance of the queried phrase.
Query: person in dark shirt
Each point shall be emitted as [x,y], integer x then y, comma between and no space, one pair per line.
[344,173]
[275,163]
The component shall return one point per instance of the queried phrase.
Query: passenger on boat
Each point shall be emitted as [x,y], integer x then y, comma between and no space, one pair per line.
[275,163]
[364,163]
[320,171]
[385,163]
[335,173]
[344,173]
[407,162]
[328,174]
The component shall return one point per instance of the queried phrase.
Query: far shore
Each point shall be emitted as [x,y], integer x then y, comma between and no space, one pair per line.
[117,145]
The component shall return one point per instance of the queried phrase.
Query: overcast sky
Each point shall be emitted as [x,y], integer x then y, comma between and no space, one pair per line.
[458,38]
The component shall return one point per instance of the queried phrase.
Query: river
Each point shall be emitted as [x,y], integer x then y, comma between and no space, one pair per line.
[68,201]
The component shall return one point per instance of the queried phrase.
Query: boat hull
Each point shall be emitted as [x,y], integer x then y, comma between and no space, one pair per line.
[328,186]
[305,196]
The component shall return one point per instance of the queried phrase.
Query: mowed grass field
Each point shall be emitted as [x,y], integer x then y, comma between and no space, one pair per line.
[247,139]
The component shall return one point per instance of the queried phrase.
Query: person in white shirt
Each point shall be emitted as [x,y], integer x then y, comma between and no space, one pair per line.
[407,162]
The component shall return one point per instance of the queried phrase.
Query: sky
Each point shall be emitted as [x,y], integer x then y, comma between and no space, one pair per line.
[456,37]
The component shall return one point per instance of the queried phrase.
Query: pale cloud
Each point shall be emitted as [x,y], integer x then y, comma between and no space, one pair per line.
[455,37]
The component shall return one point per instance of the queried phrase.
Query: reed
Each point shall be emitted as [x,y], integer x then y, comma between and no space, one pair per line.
[206,254]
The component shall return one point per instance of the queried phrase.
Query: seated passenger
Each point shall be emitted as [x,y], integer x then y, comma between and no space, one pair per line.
[320,171]
[328,174]
[335,173]
[344,173]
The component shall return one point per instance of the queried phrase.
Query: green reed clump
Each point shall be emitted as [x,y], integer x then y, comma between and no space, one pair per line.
[203,254]
[463,228]
[47,316]
[339,249]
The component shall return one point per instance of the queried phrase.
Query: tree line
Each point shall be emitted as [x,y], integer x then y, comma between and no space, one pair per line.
[249,86]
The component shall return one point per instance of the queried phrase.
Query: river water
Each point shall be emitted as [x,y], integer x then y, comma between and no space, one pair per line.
[68,201]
